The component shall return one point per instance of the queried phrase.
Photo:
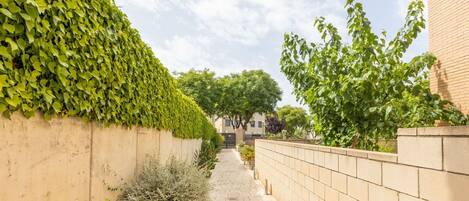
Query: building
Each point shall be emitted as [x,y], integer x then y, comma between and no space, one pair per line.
[449,42]
[255,127]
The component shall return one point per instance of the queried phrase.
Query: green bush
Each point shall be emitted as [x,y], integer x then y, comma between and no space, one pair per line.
[206,159]
[83,58]
[247,153]
[176,181]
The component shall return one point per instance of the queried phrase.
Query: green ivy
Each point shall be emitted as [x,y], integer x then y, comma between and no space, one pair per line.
[83,58]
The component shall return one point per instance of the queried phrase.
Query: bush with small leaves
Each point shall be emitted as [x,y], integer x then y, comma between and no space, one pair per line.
[176,181]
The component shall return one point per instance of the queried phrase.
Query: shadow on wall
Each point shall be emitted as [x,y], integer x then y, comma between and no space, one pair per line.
[442,81]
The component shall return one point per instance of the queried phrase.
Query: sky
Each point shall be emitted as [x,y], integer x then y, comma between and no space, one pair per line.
[229,36]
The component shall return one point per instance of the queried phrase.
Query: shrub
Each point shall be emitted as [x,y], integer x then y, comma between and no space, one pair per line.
[83,58]
[176,181]
[206,158]
[247,153]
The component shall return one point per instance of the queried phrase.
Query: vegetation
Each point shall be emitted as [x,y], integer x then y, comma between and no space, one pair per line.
[247,93]
[362,92]
[176,181]
[237,96]
[206,159]
[273,124]
[246,152]
[203,87]
[83,58]
[294,117]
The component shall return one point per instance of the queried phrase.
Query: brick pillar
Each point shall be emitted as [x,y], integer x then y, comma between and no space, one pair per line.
[449,42]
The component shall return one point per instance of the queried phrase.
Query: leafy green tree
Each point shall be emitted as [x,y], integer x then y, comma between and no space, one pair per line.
[203,87]
[362,92]
[295,117]
[245,94]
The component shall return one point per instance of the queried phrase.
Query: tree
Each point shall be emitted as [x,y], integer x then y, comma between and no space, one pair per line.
[273,124]
[203,87]
[362,92]
[245,94]
[294,117]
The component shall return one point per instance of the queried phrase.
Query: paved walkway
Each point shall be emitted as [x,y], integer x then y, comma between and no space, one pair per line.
[231,181]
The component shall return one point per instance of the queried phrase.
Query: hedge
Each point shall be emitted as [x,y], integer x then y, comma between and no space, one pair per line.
[82,58]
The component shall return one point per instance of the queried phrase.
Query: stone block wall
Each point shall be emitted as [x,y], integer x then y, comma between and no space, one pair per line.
[432,164]
[68,159]
[449,42]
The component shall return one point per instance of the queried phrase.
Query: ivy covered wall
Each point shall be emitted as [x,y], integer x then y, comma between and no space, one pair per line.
[83,58]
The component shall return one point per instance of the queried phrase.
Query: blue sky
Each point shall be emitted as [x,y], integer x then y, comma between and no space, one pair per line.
[228,36]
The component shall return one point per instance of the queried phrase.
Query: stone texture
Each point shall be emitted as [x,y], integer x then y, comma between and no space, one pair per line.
[314,172]
[110,146]
[343,197]
[319,158]
[420,151]
[331,195]
[348,165]
[357,189]
[379,193]
[386,157]
[331,161]
[401,178]
[232,181]
[148,148]
[404,197]
[325,176]
[455,151]
[443,186]
[444,131]
[339,182]
[319,189]
[369,170]
[42,160]
[407,131]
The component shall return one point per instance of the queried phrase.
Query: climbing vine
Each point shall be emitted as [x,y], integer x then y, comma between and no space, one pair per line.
[83,58]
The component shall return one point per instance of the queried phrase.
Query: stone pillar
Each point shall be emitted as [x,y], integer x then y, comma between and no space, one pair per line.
[449,42]
[239,132]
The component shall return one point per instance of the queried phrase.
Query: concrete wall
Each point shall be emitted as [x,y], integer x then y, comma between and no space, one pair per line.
[68,159]
[449,42]
[432,164]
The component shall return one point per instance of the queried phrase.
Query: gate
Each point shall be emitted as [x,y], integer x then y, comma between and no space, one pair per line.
[230,140]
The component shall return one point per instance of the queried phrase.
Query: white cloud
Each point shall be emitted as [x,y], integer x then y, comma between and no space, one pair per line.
[181,53]
[249,21]
[150,5]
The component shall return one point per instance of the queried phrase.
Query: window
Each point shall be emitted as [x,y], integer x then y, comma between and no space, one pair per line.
[253,124]
[227,122]
[260,124]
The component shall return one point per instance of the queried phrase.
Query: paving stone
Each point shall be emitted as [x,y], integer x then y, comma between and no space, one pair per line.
[231,181]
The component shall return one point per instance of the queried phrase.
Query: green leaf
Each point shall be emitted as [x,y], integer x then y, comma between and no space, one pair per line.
[12,43]
[10,28]
[4,52]
[57,106]
[6,13]
[3,83]
[13,101]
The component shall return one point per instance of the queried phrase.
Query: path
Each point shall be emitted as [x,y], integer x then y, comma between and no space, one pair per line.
[231,181]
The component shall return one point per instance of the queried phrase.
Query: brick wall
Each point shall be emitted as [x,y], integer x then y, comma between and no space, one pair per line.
[432,165]
[449,42]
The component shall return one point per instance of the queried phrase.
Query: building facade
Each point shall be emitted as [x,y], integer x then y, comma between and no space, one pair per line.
[449,42]
[255,127]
